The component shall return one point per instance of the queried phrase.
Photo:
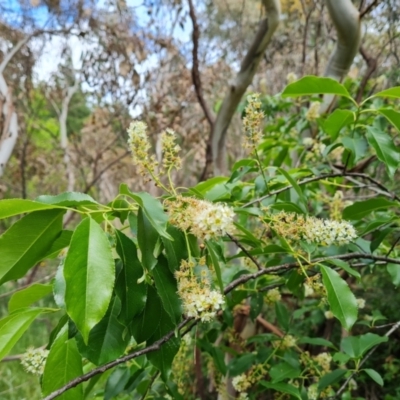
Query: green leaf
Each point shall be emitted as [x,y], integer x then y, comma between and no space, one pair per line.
[393,92]
[282,315]
[147,239]
[331,378]
[25,297]
[310,85]
[374,375]
[116,382]
[162,359]
[129,290]
[316,342]
[341,299]
[89,273]
[360,209]
[152,208]
[167,289]
[238,365]
[296,187]
[336,121]
[67,199]
[385,149]
[145,324]
[282,388]
[13,327]
[27,241]
[106,339]
[357,346]
[394,272]
[283,371]
[346,267]
[215,262]
[392,116]
[357,145]
[11,207]
[175,251]
[63,364]
[62,241]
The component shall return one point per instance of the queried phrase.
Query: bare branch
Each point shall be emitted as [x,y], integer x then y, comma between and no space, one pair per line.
[215,158]
[368,8]
[195,66]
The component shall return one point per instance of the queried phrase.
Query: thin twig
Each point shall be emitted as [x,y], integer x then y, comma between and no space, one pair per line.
[245,251]
[195,66]
[343,387]
[368,8]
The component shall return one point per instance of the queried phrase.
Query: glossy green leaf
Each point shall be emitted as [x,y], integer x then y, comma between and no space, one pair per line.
[11,207]
[336,121]
[296,187]
[392,116]
[393,92]
[129,290]
[316,342]
[357,346]
[13,327]
[282,371]
[310,85]
[282,315]
[163,358]
[211,247]
[394,272]
[116,382]
[26,297]
[106,340]
[167,289]
[67,199]
[152,208]
[175,251]
[62,241]
[63,364]
[147,239]
[341,299]
[345,266]
[282,388]
[89,273]
[146,323]
[357,145]
[385,149]
[27,241]
[360,209]
[374,375]
[331,378]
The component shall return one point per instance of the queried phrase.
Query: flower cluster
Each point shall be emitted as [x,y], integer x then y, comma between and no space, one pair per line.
[324,232]
[315,148]
[324,361]
[273,296]
[243,382]
[203,219]
[313,112]
[327,232]
[139,145]
[34,359]
[252,121]
[291,77]
[170,150]
[199,300]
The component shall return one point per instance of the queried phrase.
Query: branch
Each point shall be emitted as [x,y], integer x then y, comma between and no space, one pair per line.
[12,53]
[343,387]
[215,157]
[239,281]
[372,64]
[385,190]
[368,8]
[346,19]
[195,66]
[245,251]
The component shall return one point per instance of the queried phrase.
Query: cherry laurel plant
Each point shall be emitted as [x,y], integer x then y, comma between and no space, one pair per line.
[252,285]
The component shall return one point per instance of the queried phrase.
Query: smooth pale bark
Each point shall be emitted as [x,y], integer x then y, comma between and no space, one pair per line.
[9,135]
[240,84]
[346,19]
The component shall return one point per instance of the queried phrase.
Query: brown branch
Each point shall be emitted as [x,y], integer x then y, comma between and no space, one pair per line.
[267,325]
[239,281]
[195,66]
[368,8]
[372,64]
[245,251]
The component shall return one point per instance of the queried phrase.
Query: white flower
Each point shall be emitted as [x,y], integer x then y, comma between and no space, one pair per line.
[291,77]
[34,360]
[329,314]
[241,383]
[313,112]
[360,303]
[273,295]
[308,290]
[312,392]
